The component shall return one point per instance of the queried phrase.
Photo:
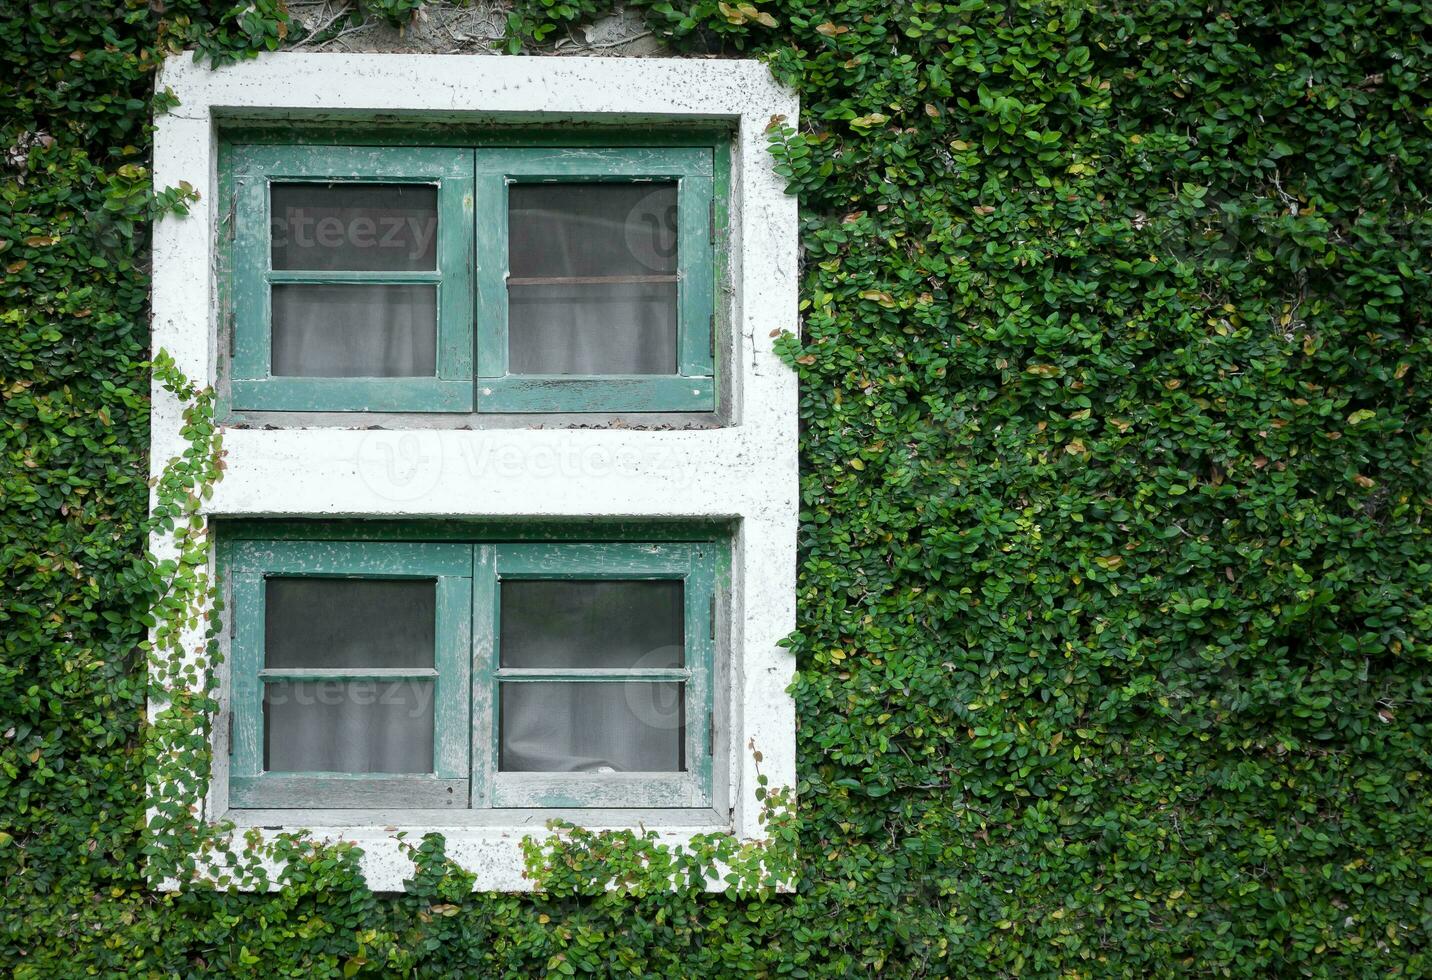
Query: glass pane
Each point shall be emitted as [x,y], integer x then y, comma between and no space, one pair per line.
[348,726]
[589,229]
[604,328]
[357,331]
[349,623]
[354,227]
[592,278]
[592,624]
[631,726]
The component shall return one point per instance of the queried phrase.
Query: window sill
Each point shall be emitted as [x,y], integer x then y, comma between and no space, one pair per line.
[488,845]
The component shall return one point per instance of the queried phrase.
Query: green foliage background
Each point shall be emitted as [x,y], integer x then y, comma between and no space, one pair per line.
[1114,590]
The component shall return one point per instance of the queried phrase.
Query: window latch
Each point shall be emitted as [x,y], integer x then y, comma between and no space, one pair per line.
[231,731]
[711,227]
[712,619]
[711,733]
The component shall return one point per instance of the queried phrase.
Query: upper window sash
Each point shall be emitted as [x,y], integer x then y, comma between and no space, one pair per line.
[251,174]
[471,276]
[692,386]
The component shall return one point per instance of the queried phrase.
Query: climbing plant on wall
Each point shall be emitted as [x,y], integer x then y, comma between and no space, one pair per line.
[1114,589]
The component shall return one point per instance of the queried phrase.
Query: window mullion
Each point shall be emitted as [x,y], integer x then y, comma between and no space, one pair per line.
[247,659]
[452,704]
[490,262]
[455,292]
[482,759]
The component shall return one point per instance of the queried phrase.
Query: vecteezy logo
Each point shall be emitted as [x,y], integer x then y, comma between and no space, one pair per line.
[400,465]
[650,230]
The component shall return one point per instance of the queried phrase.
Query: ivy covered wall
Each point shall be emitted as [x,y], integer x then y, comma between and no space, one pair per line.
[1114,622]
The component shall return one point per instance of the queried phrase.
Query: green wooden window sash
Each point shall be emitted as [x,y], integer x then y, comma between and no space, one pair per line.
[467,664]
[693,387]
[250,564]
[695,565]
[250,171]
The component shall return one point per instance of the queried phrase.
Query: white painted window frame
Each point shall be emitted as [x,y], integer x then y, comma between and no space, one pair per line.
[744,472]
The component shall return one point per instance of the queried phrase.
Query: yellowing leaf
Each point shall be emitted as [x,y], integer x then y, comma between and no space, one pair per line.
[733,14]
[831,30]
[857,464]
[1360,416]
[874,119]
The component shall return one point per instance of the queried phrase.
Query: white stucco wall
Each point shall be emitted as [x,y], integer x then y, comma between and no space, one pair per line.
[745,471]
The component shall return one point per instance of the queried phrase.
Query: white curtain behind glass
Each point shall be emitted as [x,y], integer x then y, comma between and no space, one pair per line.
[592,726]
[618,726]
[364,330]
[348,725]
[621,237]
[359,331]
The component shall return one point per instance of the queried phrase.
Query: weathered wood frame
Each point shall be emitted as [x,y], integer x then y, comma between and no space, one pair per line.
[248,174]
[472,269]
[693,387]
[249,564]
[694,565]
